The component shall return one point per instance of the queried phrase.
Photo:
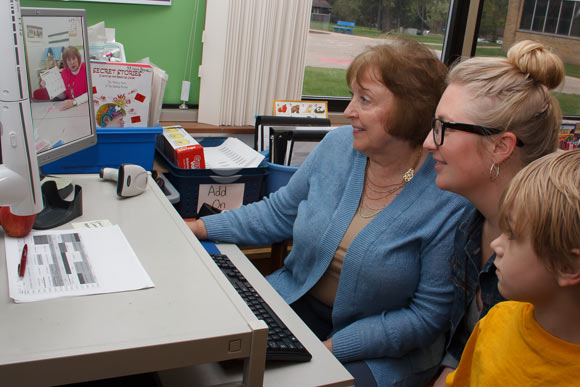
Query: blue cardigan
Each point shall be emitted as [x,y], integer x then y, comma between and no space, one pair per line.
[394,295]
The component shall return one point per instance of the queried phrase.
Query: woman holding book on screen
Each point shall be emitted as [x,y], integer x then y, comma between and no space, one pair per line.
[74,78]
[371,231]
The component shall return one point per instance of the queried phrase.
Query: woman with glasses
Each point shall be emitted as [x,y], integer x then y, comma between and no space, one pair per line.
[495,116]
[371,231]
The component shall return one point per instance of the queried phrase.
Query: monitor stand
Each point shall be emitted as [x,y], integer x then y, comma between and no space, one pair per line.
[58,211]
[63,184]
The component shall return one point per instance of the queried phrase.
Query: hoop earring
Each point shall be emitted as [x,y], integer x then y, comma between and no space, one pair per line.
[494,171]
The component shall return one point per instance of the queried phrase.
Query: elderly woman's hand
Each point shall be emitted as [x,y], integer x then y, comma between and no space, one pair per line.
[198,228]
[328,344]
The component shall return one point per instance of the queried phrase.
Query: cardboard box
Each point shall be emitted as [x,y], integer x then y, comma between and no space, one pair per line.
[121,94]
[181,148]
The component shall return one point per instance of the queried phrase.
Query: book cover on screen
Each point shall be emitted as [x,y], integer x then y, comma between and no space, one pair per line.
[121,94]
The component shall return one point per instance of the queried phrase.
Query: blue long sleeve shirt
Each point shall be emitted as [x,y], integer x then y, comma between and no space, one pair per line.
[394,294]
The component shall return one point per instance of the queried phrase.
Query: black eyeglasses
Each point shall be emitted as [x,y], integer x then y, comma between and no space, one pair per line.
[439,127]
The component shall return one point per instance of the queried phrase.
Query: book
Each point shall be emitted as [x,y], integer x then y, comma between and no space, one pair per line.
[121,94]
[54,83]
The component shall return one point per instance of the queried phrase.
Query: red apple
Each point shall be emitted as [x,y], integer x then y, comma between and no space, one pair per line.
[15,225]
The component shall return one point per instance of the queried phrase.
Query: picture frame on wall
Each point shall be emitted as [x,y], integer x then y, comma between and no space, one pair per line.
[143,2]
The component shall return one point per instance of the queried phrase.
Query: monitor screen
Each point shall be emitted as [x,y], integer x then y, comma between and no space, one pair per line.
[56,48]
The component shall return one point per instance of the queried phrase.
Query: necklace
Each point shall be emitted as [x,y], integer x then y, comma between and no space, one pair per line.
[385,193]
[374,210]
[369,184]
[407,176]
[392,188]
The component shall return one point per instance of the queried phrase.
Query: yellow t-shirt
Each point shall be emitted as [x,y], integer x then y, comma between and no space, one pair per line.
[509,348]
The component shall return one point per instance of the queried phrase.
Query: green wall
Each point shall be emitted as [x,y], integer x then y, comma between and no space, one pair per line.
[158,32]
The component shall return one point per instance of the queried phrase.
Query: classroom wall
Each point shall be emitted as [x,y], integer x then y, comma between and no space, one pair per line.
[161,33]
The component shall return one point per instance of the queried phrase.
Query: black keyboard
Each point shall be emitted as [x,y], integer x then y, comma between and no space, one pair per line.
[282,344]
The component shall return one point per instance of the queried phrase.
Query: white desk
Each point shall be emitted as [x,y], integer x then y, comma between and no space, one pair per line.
[323,370]
[192,316]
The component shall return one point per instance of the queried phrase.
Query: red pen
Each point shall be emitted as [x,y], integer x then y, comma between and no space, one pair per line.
[22,266]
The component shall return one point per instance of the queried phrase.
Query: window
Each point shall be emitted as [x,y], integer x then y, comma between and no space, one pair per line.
[550,22]
[561,17]
[330,50]
[565,20]
[552,16]
[555,23]
[539,15]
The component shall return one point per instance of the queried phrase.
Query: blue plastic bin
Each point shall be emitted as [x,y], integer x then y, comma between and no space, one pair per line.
[278,176]
[187,181]
[115,146]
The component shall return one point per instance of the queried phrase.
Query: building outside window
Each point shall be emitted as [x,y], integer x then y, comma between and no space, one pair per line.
[555,23]
[560,17]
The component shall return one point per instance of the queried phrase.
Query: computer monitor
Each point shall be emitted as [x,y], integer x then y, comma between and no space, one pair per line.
[58,68]
[19,178]
[52,118]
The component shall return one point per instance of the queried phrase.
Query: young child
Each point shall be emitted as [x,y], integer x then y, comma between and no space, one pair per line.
[533,339]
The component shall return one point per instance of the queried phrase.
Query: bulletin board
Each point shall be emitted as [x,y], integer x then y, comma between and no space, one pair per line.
[160,33]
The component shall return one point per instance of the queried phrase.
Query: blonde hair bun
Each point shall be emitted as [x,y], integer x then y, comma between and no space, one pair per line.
[540,64]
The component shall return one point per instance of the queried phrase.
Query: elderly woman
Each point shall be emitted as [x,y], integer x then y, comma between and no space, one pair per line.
[371,231]
[496,116]
[74,77]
